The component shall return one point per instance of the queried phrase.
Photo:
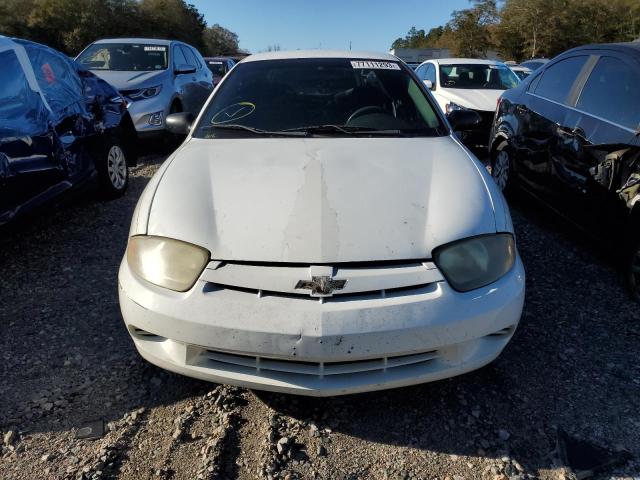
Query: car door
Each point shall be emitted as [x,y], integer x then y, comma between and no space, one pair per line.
[184,82]
[545,132]
[30,160]
[606,137]
[204,79]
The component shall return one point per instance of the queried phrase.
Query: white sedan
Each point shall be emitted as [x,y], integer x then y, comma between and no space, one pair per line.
[468,84]
[321,231]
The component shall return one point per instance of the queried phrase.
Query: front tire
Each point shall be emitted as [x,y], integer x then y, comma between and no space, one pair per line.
[502,167]
[111,163]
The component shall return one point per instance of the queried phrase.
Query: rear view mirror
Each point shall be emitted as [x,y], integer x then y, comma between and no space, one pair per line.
[179,123]
[184,69]
[429,84]
[464,119]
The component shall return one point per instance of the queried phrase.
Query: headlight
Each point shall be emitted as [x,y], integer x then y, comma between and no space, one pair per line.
[452,107]
[144,93]
[475,262]
[166,262]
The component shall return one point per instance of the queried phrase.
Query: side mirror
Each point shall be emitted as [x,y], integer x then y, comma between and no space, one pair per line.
[462,119]
[179,123]
[184,69]
[429,84]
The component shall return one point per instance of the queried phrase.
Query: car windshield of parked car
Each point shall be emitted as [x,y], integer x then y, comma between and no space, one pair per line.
[319,96]
[477,77]
[217,67]
[125,57]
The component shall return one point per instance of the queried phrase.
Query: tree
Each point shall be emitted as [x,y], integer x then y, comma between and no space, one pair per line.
[220,41]
[418,39]
[471,29]
[172,19]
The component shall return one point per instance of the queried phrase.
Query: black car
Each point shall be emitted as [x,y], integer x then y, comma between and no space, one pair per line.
[219,67]
[569,135]
[60,127]
[534,63]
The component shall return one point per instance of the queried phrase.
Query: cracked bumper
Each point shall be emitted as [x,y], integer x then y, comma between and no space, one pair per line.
[308,348]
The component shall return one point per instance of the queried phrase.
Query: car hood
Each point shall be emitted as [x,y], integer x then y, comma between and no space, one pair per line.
[484,100]
[321,200]
[129,80]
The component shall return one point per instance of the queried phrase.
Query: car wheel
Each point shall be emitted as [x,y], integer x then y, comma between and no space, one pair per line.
[111,163]
[633,273]
[502,167]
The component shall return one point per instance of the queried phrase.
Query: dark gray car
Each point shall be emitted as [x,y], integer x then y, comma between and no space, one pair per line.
[157,77]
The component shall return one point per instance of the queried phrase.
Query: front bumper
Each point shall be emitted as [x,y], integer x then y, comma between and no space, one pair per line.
[141,111]
[298,346]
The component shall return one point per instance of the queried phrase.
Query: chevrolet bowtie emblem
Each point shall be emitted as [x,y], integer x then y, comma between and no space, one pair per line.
[322,286]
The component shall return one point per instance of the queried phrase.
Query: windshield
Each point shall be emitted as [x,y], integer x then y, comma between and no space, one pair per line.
[217,67]
[478,77]
[125,57]
[316,96]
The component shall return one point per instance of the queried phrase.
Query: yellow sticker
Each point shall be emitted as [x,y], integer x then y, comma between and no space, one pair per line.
[233,112]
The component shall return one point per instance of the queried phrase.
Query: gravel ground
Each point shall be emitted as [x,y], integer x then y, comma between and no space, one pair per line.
[574,364]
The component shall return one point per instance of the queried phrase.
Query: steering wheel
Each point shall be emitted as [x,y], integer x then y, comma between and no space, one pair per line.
[365,111]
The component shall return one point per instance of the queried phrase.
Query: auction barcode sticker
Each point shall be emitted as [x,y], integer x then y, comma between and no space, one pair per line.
[155,48]
[373,64]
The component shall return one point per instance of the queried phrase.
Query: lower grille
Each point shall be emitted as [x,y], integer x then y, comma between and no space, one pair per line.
[319,369]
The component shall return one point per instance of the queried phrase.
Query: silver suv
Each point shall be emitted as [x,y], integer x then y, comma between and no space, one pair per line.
[156,77]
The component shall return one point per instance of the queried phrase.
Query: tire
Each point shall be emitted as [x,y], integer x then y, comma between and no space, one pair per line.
[632,273]
[502,167]
[111,164]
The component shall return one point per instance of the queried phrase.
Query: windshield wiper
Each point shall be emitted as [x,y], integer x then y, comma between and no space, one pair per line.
[342,129]
[257,131]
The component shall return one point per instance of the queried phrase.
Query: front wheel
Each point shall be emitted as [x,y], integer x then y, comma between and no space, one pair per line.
[111,163]
[502,167]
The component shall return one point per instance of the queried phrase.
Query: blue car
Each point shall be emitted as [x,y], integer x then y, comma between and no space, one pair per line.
[60,127]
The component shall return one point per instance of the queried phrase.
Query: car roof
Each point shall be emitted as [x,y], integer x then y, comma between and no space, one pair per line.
[320,54]
[143,41]
[468,61]
[628,47]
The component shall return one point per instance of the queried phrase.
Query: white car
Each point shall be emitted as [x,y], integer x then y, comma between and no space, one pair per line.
[520,71]
[465,83]
[321,231]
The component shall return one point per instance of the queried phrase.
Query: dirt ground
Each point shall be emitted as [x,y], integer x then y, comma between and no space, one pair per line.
[67,361]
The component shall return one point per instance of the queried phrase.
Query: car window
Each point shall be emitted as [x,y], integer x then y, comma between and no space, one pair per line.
[278,95]
[58,81]
[430,74]
[477,77]
[191,59]
[124,57]
[612,92]
[557,80]
[21,109]
[217,67]
[198,57]
[178,57]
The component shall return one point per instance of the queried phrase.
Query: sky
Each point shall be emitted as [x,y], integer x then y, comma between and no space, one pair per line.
[301,24]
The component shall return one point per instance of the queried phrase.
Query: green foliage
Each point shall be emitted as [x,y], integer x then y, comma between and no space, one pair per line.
[220,41]
[522,29]
[70,25]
